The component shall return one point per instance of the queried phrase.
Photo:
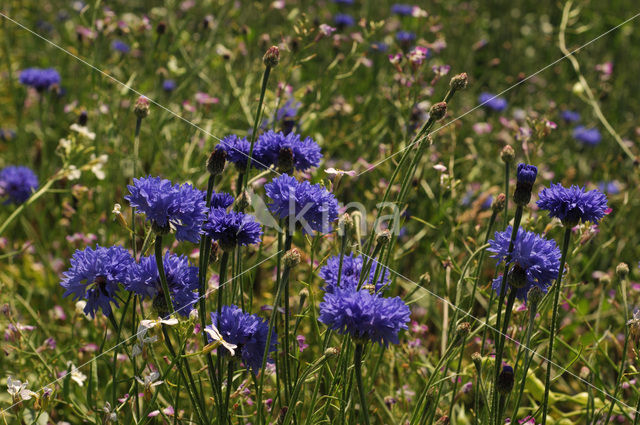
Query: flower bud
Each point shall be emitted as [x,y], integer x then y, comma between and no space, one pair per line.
[141,108]
[462,330]
[83,118]
[499,203]
[285,160]
[383,237]
[459,82]
[507,154]
[438,111]
[271,57]
[534,296]
[605,280]
[331,352]
[304,294]
[477,360]
[622,270]
[243,201]
[161,28]
[425,279]
[291,258]
[216,162]
[526,177]
[345,224]
[193,315]
[504,383]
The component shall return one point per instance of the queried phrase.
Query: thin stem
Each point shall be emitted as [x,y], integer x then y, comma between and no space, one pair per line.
[163,277]
[554,318]
[254,133]
[527,360]
[357,360]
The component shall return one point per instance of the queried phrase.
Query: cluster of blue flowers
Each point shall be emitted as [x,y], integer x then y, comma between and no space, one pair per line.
[17,183]
[168,206]
[248,331]
[40,79]
[284,151]
[493,102]
[311,205]
[534,260]
[231,229]
[363,315]
[587,136]
[350,274]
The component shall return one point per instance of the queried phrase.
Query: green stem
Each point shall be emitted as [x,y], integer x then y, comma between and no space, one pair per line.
[554,318]
[256,122]
[500,352]
[357,360]
[527,360]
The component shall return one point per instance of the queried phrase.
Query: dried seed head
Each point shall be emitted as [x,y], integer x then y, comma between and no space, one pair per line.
[383,237]
[271,57]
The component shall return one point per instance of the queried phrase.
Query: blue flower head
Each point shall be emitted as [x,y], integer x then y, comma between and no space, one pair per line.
[17,184]
[402,9]
[169,206]
[182,280]
[287,152]
[95,275]
[120,46]
[534,261]
[237,150]
[168,85]
[343,20]
[526,177]
[248,331]
[611,187]
[492,101]
[221,200]
[40,79]
[574,204]
[311,206]
[285,116]
[405,37]
[231,229]
[350,276]
[587,136]
[363,315]
[527,173]
[570,116]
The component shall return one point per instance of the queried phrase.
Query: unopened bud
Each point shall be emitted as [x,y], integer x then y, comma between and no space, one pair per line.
[271,57]
[216,162]
[462,330]
[584,372]
[605,280]
[459,82]
[534,296]
[83,118]
[438,111]
[193,315]
[526,177]
[499,203]
[331,352]
[141,108]
[383,237]
[291,258]
[508,155]
[304,294]
[504,383]
[425,279]
[622,271]
[285,160]
[243,201]
[477,360]
[161,28]
[6,310]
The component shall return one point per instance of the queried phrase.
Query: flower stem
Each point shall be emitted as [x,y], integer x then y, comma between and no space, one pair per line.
[554,318]
[357,360]
[527,360]
[254,133]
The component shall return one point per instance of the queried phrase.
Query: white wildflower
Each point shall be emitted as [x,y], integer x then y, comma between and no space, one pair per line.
[215,335]
[18,390]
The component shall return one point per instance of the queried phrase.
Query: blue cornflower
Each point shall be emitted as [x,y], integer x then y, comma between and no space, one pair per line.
[610,187]
[169,206]
[237,150]
[351,269]
[379,46]
[570,116]
[95,275]
[311,206]
[363,315]
[285,115]
[402,9]
[343,20]
[182,280]
[493,102]
[344,2]
[248,331]
[231,229]
[168,85]
[40,79]
[526,177]
[287,151]
[534,261]
[572,205]
[587,136]
[405,37]
[120,46]
[221,200]
[17,183]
